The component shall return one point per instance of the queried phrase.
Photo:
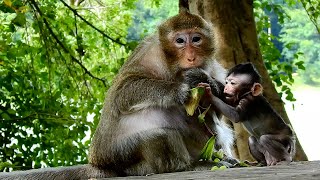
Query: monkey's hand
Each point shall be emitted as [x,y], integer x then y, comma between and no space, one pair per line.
[244,102]
[207,97]
[194,76]
[217,88]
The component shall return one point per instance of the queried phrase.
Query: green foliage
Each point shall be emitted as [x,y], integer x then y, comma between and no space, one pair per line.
[193,102]
[214,168]
[300,35]
[208,149]
[209,153]
[312,9]
[57,60]
[147,16]
[54,71]
[299,42]
[280,70]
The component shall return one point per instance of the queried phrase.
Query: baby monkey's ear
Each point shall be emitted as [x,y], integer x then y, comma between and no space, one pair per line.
[256,89]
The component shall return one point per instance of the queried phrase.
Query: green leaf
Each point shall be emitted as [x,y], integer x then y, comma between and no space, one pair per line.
[4,165]
[218,168]
[256,4]
[20,20]
[5,116]
[193,102]
[243,164]
[207,151]
[219,154]
[268,7]
[216,160]
[203,114]
[11,111]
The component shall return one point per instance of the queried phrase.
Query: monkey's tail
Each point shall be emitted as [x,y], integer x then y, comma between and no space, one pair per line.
[60,173]
[292,147]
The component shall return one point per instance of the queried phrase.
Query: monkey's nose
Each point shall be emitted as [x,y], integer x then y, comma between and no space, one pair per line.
[191,59]
[225,90]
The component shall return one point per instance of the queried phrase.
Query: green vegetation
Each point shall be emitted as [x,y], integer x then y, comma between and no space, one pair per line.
[54,71]
[57,60]
[300,35]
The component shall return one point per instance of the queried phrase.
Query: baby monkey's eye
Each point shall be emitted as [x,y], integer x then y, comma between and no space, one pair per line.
[230,82]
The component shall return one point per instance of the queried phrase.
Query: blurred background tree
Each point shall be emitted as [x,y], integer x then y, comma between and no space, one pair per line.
[58,58]
[300,35]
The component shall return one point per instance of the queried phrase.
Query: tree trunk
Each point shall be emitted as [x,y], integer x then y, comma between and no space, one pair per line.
[236,42]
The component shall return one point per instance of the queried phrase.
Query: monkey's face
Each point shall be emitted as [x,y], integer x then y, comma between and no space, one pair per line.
[235,87]
[190,50]
[187,48]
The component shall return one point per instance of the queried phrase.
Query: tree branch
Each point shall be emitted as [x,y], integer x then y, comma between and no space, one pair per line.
[311,16]
[84,20]
[62,45]
[35,115]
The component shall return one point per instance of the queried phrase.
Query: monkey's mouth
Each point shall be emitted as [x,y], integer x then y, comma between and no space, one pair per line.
[229,97]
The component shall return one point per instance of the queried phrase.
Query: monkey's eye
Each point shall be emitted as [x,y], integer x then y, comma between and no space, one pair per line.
[230,82]
[179,40]
[196,39]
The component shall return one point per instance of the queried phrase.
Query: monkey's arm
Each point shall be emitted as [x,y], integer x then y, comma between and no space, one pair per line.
[195,76]
[233,113]
[227,110]
[137,92]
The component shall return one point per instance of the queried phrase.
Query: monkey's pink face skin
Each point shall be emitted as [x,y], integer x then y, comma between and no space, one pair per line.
[233,85]
[189,58]
[189,46]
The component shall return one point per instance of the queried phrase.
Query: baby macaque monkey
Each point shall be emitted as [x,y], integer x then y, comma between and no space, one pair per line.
[272,140]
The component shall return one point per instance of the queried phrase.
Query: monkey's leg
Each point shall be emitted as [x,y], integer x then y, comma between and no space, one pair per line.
[162,150]
[256,150]
[277,147]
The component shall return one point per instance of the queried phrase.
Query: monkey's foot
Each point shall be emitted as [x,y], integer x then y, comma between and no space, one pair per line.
[255,163]
[284,163]
[150,174]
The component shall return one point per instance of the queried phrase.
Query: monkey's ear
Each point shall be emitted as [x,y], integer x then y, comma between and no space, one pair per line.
[256,89]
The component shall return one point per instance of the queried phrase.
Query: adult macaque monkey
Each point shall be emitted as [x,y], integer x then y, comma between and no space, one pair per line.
[271,140]
[144,127]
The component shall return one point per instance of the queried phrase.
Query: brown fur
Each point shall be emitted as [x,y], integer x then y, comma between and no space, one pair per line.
[144,127]
[272,140]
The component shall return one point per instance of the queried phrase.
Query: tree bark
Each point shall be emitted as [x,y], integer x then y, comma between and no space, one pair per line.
[236,42]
